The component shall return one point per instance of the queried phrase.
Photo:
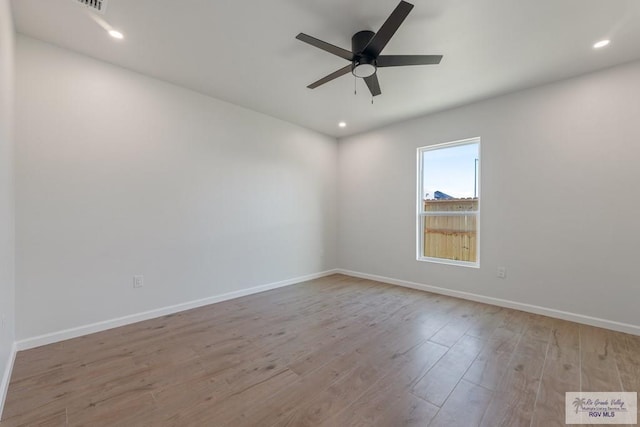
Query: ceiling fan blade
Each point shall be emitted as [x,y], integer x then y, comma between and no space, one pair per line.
[327,47]
[402,60]
[388,29]
[342,71]
[373,85]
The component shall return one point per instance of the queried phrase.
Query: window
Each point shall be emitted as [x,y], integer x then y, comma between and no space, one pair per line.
[449,203]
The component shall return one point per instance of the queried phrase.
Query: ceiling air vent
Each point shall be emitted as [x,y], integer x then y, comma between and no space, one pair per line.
[96,5]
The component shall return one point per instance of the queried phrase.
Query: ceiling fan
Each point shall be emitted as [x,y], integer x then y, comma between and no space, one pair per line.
[366,47]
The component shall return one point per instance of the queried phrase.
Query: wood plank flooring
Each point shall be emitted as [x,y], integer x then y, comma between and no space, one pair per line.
[336,351]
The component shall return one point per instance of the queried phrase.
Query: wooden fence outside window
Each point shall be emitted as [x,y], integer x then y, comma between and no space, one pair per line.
[451,236]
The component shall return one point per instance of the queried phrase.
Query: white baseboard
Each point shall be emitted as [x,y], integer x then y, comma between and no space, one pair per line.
[6,377]
[151,314]
[529,308]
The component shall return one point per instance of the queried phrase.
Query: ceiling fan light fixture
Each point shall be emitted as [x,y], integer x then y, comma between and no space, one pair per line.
[363,70]
[601,44]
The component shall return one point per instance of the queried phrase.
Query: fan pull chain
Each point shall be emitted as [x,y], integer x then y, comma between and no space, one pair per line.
[371,99]
[355,85]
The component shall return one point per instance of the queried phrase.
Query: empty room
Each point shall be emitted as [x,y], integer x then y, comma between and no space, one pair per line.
[319,213]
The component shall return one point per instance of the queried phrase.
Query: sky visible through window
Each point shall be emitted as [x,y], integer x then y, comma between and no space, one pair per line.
[450,170]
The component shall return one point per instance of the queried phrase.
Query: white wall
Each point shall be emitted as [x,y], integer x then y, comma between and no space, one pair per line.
[7,301]
[560,177]
[119,174]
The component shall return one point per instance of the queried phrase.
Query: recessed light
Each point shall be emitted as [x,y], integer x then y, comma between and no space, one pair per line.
[116,34]
[342,124]
[601,43]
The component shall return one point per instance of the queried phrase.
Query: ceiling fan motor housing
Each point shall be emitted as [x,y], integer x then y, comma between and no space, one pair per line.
[360,40]
[362,66]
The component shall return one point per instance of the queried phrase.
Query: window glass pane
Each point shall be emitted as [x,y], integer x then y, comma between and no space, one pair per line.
[450,237]
[450,172]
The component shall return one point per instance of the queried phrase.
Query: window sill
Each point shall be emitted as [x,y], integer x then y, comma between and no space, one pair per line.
[450,262]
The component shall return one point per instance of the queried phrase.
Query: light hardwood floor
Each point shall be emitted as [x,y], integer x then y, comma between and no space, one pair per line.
[336,351]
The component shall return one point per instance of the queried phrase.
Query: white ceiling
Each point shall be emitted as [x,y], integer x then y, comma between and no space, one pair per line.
[245,52]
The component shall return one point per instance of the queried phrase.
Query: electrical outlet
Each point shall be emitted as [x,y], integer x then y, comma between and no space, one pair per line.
[138,281]
[502,272]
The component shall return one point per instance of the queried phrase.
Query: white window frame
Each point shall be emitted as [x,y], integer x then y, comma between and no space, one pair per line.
[420,205]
